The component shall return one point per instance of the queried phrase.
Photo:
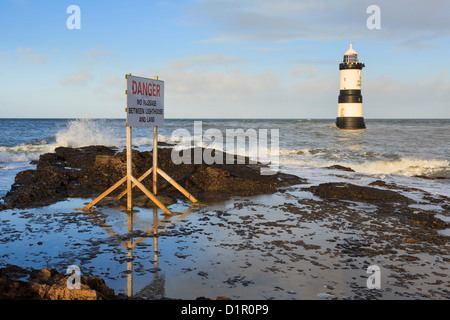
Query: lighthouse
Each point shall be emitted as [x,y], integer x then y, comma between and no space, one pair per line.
[350,114]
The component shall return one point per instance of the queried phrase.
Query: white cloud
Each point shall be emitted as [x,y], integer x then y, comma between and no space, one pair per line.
[30,56]
[223,85]
[385,97]
[111,88]
[237,93]
[114,81]
[410,23]
[83,75]
[97,54]
[305,70]
[266,49]
[4,56]
[207,60]
[80,77]
[303,93]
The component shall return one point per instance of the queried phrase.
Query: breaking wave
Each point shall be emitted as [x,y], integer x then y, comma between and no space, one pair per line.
[86,132]
[405,167]
[77,133]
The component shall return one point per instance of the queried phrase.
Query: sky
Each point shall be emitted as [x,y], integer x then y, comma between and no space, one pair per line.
[224,58]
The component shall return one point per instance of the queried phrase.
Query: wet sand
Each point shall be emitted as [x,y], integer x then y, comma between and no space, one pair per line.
[287,245]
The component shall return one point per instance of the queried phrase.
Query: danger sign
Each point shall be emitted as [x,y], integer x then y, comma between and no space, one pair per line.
[145,102]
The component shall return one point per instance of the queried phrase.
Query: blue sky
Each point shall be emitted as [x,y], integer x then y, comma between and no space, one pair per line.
[223,59]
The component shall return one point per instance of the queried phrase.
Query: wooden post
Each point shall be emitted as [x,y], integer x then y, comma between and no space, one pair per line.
[150,195]
[130,246]
[129,171]
[155,243]
[132,181]
[140,179]
[155,156]
[155,160]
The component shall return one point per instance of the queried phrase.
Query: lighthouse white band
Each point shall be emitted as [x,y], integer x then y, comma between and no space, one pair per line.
[350,79]
[350,110]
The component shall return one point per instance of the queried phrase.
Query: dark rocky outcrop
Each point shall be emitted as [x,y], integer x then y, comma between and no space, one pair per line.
[88,171]
[351,192]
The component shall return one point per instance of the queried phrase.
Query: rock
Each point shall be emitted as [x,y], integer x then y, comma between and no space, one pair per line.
[47,284]
[339,167]
[347,191]
[145,202]
[378,183]
[88,171]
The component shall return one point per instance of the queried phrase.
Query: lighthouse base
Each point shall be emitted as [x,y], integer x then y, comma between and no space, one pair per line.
[350,123]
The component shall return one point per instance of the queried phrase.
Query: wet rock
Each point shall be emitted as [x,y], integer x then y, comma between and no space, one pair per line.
[339,167]
[145,202]
[47,284]
[351,192]
[88,171]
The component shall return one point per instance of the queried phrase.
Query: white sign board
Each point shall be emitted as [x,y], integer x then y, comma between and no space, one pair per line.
[145,102]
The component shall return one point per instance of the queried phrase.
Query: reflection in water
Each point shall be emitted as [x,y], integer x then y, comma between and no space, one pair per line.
[155,289]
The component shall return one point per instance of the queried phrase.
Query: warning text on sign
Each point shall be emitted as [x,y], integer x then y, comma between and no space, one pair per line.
[145,102]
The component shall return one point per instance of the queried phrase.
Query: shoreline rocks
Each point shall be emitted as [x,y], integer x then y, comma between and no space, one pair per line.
[390,229]
[351,192]
[88,171]
[17,283]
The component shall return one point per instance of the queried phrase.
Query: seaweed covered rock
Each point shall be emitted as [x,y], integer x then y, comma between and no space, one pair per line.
[88,171]
[17,283]
[351,192]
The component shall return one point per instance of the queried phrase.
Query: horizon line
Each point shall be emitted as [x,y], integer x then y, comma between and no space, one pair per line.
[307,118]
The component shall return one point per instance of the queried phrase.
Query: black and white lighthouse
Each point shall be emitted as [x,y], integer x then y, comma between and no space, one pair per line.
[350,114]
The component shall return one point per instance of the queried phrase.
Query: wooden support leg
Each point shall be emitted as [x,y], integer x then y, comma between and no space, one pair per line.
[176,185]
[145,175]
[150,195]
[104,194]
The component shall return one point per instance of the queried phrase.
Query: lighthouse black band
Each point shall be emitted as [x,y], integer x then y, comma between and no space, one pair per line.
[343,66]
[350,123]
[350,96]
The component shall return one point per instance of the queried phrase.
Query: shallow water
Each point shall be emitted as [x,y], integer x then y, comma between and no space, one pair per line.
[245,248]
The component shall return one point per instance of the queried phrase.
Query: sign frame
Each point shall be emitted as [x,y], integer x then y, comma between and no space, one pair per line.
[130,180]
[145,102]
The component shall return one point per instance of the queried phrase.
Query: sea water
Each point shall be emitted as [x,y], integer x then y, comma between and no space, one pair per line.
[414,153]
[200,258]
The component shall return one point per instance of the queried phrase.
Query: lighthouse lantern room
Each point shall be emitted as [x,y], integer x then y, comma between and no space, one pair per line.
[350,114]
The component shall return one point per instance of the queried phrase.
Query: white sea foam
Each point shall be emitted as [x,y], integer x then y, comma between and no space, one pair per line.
[86,132]
[405,167]
[77,133]
[23,152]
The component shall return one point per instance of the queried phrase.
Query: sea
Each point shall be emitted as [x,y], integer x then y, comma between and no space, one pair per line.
[408,152]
